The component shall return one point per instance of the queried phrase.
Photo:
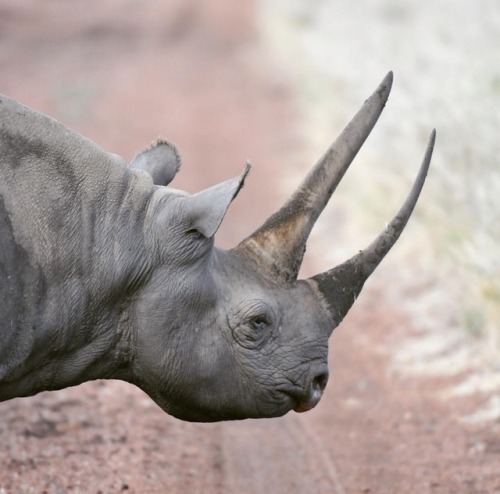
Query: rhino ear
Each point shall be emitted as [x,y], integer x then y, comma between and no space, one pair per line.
[206,209]
[161,160]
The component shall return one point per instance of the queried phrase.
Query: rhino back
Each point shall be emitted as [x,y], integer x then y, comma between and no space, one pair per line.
[48,174]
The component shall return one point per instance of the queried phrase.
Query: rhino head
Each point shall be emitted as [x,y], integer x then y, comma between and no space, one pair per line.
[238,335]
[106,272]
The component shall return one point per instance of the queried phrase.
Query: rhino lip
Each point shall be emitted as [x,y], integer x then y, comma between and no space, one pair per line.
[310,400]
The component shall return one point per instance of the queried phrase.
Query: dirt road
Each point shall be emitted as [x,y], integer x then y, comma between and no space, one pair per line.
[123,72]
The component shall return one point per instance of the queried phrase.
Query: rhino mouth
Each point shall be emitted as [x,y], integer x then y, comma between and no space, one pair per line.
[310,401]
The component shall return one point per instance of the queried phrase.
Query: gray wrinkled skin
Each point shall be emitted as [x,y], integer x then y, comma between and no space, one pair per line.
[105,275]
[251,355]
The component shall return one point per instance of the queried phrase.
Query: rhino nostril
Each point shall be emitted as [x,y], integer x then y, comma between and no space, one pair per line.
[319,382]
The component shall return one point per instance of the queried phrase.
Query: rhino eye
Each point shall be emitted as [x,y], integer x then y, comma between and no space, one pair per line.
[259,323]
[251,324]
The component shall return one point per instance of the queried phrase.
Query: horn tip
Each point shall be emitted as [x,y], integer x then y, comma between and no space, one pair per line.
[246,171]
[386,84]
[432,138]
[430,148]
[381,94]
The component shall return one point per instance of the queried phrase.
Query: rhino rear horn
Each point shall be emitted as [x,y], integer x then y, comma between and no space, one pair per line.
[339,287]
[279,244]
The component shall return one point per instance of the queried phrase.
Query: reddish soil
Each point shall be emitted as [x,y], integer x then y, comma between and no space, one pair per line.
[122,73]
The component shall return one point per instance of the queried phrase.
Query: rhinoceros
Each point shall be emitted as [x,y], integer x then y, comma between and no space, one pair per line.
[108,273]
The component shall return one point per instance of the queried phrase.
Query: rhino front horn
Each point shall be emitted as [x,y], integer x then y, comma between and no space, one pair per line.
[278,246]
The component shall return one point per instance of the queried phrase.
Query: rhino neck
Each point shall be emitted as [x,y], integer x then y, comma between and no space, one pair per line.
[71,220]
[75,293]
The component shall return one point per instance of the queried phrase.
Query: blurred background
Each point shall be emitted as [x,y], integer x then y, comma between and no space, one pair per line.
[447,76]
[414,396]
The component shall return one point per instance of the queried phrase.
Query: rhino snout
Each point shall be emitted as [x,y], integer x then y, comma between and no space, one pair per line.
[306,397]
